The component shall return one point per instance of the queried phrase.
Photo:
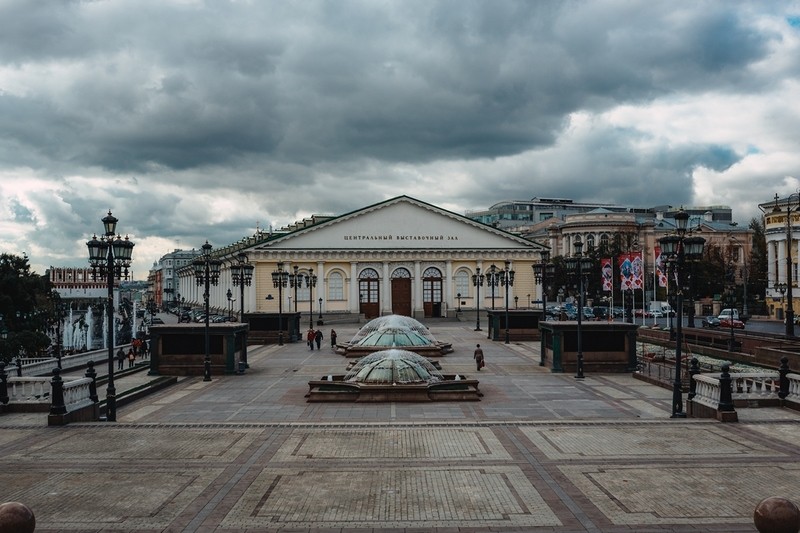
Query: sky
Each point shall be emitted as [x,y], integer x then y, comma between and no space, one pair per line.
[205,120]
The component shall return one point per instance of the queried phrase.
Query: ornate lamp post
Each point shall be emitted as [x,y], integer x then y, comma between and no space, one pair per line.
[59,313]
[730,293]
[206,273]
[280,278]
[492,280]
[229,296]
[542,271]
[241,275]
[789,324]
[110,257]
[781,288]
[311,282]
[576,265]
[507,280]
[458,306]
[679,248]
[477,282]
[295,282]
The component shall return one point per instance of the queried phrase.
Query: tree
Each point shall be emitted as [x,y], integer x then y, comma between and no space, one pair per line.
[23,308]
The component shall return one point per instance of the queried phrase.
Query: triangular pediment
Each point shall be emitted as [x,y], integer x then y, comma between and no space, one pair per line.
[402,223]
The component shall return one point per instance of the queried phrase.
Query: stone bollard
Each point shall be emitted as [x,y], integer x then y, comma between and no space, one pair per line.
[725,389]
[57,406]
[776,515]
[92,373]
[16,517]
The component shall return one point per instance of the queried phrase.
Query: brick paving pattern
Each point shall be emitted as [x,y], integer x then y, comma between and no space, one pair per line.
[540,452]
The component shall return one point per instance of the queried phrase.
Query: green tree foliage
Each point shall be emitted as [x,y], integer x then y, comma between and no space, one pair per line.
[23,308]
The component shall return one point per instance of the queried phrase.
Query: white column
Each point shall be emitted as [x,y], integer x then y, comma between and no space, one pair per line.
[322,287]
[448,285]
[386,291]
[416,305]
[782,274]
[353,304]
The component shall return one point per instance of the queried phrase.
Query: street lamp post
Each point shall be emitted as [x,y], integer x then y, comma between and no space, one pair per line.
[731,294]
[110,257]
[477,282]
[295,282]
[541,272]
[680,248]
[206,273]
[781,288]
[241,275]
[229,296]
[576,265]
[311,282]
[507,280]
[280,278]
[492,280]
[458,305]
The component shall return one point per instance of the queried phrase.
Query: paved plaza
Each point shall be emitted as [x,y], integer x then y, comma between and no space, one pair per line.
[540,452]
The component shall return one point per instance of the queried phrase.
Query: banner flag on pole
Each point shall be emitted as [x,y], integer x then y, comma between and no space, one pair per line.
[607,274]
[660,268]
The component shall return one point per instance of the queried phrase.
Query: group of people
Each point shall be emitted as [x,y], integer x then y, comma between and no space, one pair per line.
[138,348]
[315,337]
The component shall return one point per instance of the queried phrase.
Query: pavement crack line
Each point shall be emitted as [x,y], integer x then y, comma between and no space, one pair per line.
[570,504]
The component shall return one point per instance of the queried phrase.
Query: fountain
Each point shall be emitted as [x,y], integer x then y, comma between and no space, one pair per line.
[393,331]
[393,375]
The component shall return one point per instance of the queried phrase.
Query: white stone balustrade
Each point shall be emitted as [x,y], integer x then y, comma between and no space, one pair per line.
[77,393]
[28,390]
[707,390]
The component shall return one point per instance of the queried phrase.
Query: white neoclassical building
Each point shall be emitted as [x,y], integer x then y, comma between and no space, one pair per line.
[400,256]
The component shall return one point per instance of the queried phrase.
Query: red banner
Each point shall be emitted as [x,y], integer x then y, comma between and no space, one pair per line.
[661,270]
[631,271]
[607,274]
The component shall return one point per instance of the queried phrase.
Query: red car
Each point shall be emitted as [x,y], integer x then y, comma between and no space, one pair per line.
[726,323]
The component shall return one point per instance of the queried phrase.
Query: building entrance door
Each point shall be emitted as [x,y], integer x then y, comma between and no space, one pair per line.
[401,292]
[432,292]
[369,293]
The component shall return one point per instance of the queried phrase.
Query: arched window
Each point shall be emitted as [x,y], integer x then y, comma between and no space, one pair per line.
[604,242]
[432,273]
[462,279]
[589,243]
[401,273]
[368,286]
[335,286]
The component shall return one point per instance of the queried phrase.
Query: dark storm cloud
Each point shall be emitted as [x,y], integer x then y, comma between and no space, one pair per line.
[405,81]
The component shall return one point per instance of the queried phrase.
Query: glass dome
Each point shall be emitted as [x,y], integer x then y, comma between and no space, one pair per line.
[394,323]
[391,336]
[393,366]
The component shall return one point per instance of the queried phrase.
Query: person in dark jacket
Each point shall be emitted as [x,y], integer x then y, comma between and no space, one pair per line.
[318,338]
[479,357]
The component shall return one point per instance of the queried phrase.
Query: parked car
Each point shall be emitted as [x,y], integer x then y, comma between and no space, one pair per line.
[710,322]
[726,323]
[656,314]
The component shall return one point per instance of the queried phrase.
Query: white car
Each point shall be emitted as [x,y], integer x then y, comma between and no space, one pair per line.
[656,314]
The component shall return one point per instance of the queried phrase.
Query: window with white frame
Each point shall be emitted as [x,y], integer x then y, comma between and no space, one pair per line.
[462,283]
[335,286]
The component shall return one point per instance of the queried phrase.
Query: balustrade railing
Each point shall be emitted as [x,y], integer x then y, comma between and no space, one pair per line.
[77,393]
[28,390]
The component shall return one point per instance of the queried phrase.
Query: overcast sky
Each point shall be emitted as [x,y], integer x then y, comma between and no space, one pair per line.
[195,120]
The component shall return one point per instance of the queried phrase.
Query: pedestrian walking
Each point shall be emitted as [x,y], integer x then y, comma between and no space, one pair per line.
[120,358]
[131,357]
[145,348]
[479,357]
[318,338]
[333,338]
[310,334]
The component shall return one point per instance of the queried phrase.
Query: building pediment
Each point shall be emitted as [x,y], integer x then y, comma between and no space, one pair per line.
[401,223]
